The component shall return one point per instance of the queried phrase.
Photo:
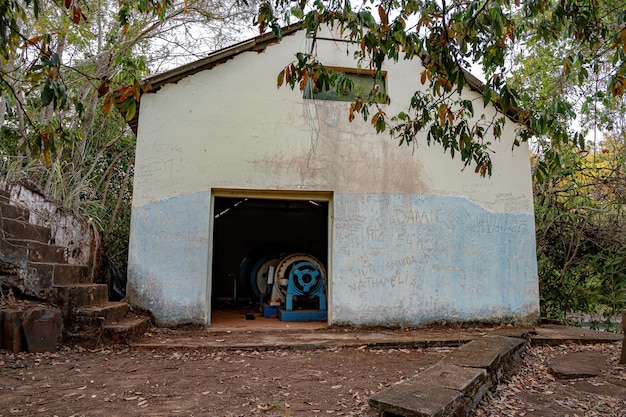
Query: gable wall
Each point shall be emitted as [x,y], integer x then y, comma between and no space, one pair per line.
[414,238]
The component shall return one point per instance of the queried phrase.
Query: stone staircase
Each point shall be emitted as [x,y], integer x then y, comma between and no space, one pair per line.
[31,263]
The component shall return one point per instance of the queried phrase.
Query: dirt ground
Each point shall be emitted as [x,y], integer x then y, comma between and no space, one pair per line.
[531,390]
[123,382]
[315,382]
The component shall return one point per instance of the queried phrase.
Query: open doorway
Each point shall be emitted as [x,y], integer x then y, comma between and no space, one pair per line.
[252,234]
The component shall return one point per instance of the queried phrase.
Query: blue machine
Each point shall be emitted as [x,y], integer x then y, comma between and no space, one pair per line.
[305,278]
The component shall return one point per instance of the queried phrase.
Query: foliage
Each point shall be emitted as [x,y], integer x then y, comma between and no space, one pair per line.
[449,37]
[557,67]
[578,183]
[65,66]
[581,238]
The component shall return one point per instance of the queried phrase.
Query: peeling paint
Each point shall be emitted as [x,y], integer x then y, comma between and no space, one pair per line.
[168,261]
[419,259]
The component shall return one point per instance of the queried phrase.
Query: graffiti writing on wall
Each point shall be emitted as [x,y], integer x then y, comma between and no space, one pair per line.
[406,243]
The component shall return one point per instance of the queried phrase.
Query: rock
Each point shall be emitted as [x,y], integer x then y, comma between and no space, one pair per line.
[577,365]
[42,329]
[605,389]
[11,330]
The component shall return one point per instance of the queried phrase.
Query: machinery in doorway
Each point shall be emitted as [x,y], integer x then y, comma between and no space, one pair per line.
[292,287]
[252,234]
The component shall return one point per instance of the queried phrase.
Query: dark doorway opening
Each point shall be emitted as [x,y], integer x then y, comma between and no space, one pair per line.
[249,234]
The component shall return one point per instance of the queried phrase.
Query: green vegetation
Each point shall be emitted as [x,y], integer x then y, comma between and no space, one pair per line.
[451,36]
[581,235]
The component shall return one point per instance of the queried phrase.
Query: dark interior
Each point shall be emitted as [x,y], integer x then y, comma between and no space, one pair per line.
[247,230]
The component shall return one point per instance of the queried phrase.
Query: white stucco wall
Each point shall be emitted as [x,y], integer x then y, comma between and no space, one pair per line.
[414,238]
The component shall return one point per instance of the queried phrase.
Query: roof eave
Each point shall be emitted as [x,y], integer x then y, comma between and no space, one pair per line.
[154,83]
[255,44]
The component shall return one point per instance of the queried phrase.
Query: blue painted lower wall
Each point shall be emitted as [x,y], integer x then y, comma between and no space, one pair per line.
[395,260]
[416,259]
[169,257]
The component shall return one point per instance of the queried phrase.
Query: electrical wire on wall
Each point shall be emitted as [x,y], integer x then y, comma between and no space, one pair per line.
[310,110]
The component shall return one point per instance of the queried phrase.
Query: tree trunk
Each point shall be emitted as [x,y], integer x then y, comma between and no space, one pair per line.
[622,360]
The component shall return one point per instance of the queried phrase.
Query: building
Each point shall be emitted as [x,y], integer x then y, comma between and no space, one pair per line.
[231,171]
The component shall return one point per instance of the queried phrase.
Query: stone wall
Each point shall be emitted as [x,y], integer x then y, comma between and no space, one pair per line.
[67,229]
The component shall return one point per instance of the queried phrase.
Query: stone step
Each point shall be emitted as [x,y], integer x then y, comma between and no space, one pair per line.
[38,251]
[17,229]
[53,274]
[84,326]
[130,328]
[13,253]
[455,385]
[10,211]
[122,331]
[107,313]
[81,295]
[65,274]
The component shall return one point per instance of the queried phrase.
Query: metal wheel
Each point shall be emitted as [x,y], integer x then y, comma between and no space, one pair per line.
[306,277]
[285,267]
[258,276]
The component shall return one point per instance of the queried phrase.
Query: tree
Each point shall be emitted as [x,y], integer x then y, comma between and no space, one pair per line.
[450,36]
[580,224]
[48,47]
[578,185]
[65,66]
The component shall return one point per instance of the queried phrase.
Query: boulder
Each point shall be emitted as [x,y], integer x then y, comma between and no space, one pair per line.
[42,329]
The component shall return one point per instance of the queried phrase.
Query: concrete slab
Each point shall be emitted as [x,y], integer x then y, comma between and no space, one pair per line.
[417,399]
[453,377]
[486,352]
[554,334]
[231,338]
[577,365]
